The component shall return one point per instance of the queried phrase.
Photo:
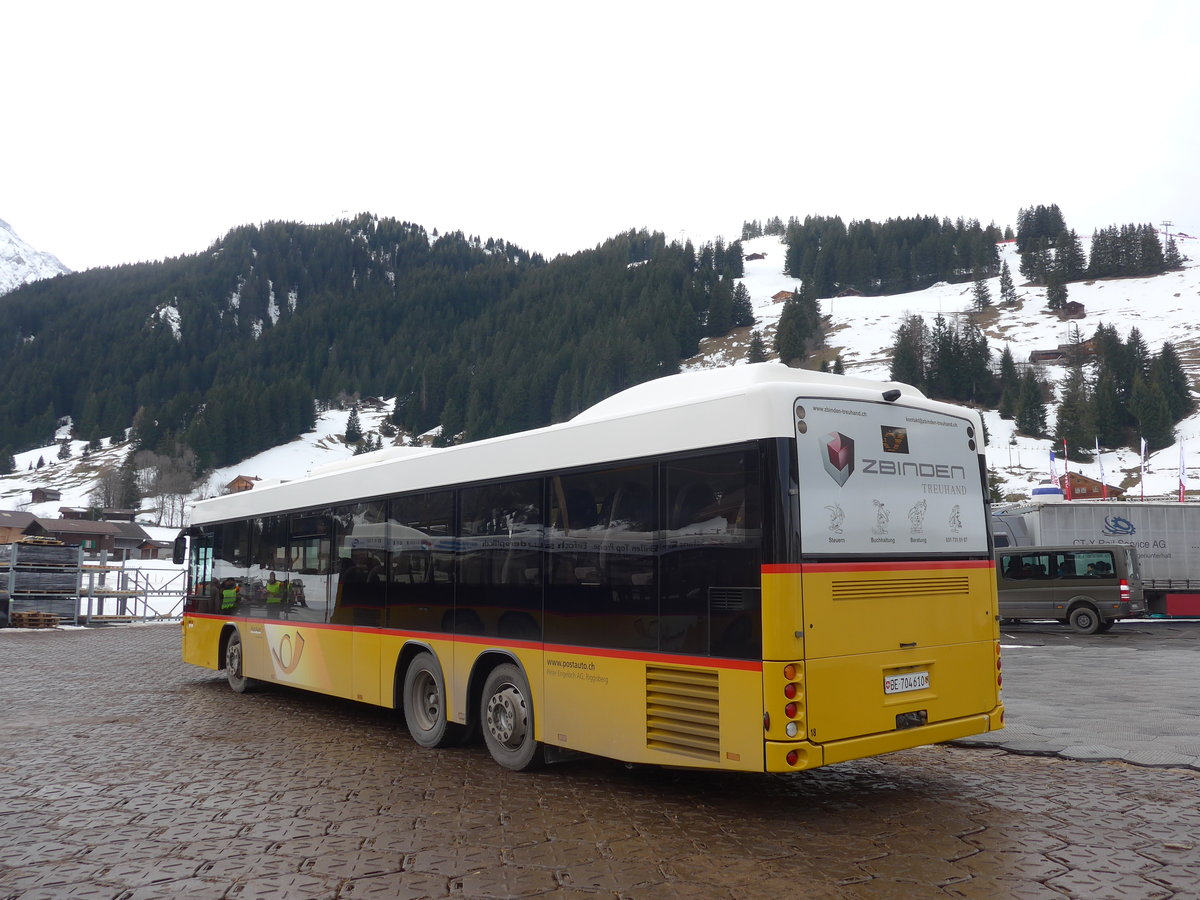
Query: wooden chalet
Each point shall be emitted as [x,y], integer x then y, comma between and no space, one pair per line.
[783,295]
[94,537]
[241,483]
[13,524]
[1084,488]
[45,495]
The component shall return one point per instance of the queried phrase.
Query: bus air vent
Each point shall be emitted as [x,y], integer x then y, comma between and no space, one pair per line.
[732,599]
[683,711]
[900,587]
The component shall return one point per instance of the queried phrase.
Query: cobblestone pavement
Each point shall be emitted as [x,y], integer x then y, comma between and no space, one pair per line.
[1128,695]
[126,774]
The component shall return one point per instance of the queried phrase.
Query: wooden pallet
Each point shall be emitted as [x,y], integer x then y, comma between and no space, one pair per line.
[33,620]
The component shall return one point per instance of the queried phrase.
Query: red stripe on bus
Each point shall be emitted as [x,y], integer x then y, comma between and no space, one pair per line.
[895,566]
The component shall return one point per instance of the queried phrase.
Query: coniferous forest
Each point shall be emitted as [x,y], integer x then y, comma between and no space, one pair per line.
[220,355]
[230,351]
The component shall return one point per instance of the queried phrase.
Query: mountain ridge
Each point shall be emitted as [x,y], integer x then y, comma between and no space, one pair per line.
[21,264]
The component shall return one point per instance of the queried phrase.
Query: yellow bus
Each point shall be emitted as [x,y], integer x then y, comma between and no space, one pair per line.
[753,568]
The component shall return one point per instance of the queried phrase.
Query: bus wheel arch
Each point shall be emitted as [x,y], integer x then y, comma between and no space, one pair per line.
[1084,618]
[504,702]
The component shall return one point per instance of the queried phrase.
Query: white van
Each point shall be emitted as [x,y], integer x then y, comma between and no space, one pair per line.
[1087,587]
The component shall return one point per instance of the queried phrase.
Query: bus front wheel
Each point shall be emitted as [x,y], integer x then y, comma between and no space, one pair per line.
[424,697]
[506,713]
[234,660]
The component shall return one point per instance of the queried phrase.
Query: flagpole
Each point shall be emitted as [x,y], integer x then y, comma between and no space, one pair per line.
[1142,476]
[1182,473]
[1066,472]
[1103,483]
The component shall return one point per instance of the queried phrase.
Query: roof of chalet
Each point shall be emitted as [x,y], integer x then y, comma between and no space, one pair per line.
[76,526]
[15,518]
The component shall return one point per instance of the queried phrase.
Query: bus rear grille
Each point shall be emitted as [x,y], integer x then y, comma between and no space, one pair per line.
[900,587]
[683,711]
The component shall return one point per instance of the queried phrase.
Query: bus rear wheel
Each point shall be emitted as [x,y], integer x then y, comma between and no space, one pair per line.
[234,660]
[424,699]
[506,713]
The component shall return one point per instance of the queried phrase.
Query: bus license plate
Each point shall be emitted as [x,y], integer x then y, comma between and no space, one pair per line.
[909,681]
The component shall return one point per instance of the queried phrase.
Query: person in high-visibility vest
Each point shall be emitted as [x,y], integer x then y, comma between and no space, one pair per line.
[229,595]
[274,597]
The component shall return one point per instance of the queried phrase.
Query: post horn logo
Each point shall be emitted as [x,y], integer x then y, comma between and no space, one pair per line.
[837,455]
[287,655]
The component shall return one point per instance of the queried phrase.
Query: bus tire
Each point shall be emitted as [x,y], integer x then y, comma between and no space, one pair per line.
[424,700]
[506,715]
[235,658]
[1084,619]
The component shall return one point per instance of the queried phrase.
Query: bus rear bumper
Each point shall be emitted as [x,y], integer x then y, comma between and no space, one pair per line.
[811,756]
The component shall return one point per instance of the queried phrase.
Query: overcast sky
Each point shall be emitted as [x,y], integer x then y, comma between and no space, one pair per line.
[135,131]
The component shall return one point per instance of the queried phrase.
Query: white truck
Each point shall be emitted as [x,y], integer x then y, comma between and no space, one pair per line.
[1166,535]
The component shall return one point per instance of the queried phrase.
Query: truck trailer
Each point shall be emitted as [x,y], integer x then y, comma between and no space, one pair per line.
[1165,534]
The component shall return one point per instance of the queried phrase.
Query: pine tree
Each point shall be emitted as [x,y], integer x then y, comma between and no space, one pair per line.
[1008,293]
[1137,354]
[743,306]
[1167,372]
[64,448]
[129,495]
[799,330]
[1075,410]
[943,369]
[1153,417]
[1172,258]
[720,309]
[981,296]
[758,349]
[1107,413]
[1056,291]
[1010,384]
[976,383]
[909,351]
[353,426]
[1031,407]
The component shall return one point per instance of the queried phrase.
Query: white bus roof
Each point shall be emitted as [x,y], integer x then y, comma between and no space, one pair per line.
[693,410]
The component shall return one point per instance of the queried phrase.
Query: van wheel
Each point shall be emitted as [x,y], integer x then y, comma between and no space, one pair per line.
[1084,619]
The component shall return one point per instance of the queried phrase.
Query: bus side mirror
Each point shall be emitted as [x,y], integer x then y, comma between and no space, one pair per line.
[179,551]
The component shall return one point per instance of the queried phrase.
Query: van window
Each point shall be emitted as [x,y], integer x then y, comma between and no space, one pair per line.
[1029,566]
[1090,564]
